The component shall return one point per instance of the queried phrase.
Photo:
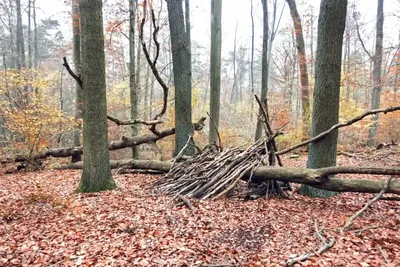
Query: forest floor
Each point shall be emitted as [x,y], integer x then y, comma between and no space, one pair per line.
[42,223]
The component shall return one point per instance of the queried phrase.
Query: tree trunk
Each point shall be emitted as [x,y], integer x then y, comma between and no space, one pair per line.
[331,24]
[35,43]
[76,38]
[377,74]
[252,63]
[182,76]
[305,92]
[264,66]
[215,69]
[20,39]
[96,174]
[147,88]
[318,178]
[29,35]
[133,83]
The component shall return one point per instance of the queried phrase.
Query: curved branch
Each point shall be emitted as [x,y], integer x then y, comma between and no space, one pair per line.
[72,73]
[337,126]
[133,121]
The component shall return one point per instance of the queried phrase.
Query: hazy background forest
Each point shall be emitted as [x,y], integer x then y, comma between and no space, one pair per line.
[48,120]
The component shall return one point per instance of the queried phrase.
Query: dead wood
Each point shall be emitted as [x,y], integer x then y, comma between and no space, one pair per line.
[114,145]
[326,244]
[133,121]
[349,222]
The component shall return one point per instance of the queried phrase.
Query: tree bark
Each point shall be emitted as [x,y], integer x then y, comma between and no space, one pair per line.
[325,113]
[76,39]
[20,39]
[305,92]
[133,89]
[215,69]
[96,174]
[35,43]
[29,35]
[182,76]
[264,66]
[318,178]
[377,74]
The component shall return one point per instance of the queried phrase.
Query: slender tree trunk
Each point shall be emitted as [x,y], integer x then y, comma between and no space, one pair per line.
[377,73]
[234,86]
[35,43]
[312,43]
[264,66]
[20,39]
[76,39]
[305,92]
[133,80]
[96,174]
[182,76]
[147,83]
[331,24]
[215,68]
[252,63]
[29,35]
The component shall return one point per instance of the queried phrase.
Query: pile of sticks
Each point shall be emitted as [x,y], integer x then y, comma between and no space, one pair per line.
[214,173]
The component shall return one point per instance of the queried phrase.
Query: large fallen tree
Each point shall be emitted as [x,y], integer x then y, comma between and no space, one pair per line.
[318,178]
[114,145]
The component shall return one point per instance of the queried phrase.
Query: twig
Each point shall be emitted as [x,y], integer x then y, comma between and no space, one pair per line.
[360,231]
[216,129]
[337,126]
[325,246]
[181,152]
[384,255]
[76,77]
[358,213]
[361,40]
[186,202]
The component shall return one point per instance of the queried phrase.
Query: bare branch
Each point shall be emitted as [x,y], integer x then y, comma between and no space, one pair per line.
[361,211]
[337,126]
[133,121]
[361,40]
[76,77]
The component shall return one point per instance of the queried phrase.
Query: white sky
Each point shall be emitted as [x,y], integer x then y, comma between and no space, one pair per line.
[238,12]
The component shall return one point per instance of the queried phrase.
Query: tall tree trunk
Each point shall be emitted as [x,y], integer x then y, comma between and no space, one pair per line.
[133,80]
[11,25]
[147,83]
[215,69]
[377,73]
[182,76]
[252,63]
[29,35]
[35,43]
[96,174]
[76,39]
[234,86]
[305,92]
[20,39]
[331,24]
[264,66]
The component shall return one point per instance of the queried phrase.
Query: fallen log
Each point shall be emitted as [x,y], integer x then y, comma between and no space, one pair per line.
[114,145]
[318,178]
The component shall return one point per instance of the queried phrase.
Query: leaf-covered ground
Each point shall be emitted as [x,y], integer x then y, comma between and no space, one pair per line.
[42,223]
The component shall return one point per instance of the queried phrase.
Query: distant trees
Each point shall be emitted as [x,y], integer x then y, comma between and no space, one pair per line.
[182,76]
[331,24]
[96,174]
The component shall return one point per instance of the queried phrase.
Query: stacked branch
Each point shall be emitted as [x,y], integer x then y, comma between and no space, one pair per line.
[214,173]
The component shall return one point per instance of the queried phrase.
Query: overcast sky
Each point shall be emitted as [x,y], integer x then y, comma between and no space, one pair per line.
[237,12]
